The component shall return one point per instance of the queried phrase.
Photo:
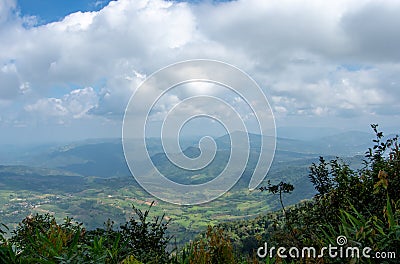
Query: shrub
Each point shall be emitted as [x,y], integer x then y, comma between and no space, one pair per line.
[146,240]
[213,248]
[40,239]
[361,204]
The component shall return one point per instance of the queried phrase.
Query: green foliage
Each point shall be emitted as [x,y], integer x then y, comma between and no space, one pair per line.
[321,177]
[130,260]
[40,239]
[279,188]
[213,248]
[380,235]
[147,240]
[362,205]
[7,253]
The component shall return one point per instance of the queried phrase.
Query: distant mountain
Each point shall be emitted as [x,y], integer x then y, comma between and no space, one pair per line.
[306,133]
[39,179]
[342,144]
[97,159]
[182,176]
[105,157]
[349,143]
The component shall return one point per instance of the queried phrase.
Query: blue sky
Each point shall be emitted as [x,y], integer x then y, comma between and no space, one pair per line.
[50,10]
[67,75]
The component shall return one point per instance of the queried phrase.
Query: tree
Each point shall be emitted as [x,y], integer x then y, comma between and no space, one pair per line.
[279,188]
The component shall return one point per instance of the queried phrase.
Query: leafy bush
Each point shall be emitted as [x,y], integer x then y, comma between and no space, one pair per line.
[213,248]
[362,231]
[146,240]
[7,253]
[40,239]
[361,204]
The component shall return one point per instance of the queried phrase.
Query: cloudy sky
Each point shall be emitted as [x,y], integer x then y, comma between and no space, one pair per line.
[67,71]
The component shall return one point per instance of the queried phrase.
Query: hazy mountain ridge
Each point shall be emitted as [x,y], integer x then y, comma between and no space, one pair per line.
[105,157]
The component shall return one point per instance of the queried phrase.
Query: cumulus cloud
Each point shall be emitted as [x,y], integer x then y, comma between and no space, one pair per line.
[74,105]
[312,58]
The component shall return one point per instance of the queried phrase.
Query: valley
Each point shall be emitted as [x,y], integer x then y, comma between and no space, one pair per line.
[90,182]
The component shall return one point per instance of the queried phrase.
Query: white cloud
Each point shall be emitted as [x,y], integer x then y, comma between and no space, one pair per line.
[74,105]
[313,58]
[373,30]
[7,7]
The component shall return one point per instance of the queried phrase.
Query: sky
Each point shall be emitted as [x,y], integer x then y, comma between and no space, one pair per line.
[68,68]
[46,11]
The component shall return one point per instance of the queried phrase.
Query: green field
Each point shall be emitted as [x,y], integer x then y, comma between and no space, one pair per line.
[93,200]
